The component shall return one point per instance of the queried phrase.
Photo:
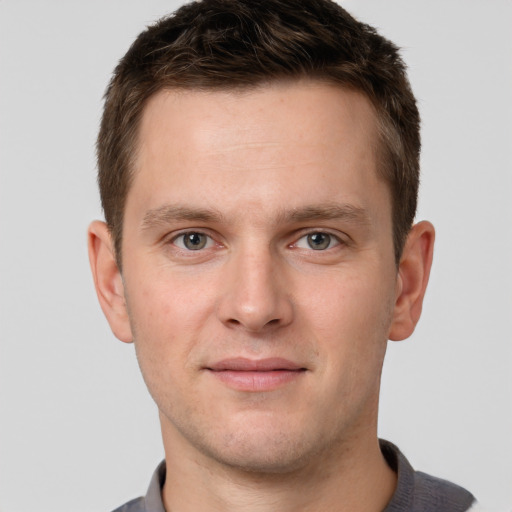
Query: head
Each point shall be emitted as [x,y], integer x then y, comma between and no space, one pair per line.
[227,45]
[259,182]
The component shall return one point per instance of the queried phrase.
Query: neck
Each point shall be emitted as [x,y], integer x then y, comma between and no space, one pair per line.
[353,477]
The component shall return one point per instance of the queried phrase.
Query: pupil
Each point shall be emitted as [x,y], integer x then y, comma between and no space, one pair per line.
[318,241]
[195,241]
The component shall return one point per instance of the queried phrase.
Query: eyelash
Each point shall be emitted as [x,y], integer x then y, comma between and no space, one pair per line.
[331,239]
[209,242]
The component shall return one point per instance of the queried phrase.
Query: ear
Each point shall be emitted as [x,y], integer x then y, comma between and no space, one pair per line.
[108,280]
[413,274]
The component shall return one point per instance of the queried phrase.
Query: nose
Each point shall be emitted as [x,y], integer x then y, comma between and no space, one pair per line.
[255,292]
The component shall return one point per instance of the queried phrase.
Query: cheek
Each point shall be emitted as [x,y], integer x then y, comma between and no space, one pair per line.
[168,313]
[350,318]
[349,303]
[163,337]
[166,303]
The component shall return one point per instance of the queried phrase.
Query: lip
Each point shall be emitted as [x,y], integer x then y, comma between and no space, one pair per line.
[256,375]
[243,364]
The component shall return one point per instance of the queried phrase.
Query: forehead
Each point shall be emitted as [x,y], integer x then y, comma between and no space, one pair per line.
[277,141]
[324,107]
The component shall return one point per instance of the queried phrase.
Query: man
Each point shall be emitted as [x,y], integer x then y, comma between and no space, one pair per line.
[258,169]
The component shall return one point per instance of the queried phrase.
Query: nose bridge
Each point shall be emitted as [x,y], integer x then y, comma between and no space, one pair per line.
[254,293]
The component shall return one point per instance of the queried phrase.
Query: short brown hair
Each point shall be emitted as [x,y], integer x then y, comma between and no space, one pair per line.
[241,44]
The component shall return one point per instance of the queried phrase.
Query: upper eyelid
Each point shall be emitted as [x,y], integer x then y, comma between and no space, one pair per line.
[296,235]
[341,237]
[337,238]
[175,235]
[183,233]
[170,237]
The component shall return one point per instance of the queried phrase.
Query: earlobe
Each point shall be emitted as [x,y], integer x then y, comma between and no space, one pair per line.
[412,280]
[108,280]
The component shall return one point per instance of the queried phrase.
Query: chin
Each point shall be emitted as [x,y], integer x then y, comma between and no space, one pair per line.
[271,462]
[262,452]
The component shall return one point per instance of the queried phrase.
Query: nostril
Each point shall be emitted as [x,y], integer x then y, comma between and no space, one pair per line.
[233,322]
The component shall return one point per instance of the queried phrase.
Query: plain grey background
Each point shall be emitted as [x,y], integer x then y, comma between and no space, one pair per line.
[78,430]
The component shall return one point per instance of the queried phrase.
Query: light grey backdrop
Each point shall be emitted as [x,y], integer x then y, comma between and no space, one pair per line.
[78,430]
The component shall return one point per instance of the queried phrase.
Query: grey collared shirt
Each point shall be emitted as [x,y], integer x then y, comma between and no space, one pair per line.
[415,491]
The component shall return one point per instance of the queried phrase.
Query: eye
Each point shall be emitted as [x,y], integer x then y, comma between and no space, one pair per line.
[318,241]
[193,241]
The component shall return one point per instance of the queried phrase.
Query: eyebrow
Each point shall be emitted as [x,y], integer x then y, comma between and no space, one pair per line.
[348,212]
[168,214]
[171,213]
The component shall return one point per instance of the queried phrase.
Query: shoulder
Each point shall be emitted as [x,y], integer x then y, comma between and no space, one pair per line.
[152,501]
[440,493]
[418,492]
[135,505]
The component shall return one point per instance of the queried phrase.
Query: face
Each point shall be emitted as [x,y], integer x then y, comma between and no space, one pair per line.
[258,271]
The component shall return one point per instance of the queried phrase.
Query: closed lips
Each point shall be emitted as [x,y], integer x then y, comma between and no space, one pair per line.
[240,364]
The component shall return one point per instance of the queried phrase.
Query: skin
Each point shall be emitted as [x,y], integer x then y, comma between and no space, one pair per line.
[258,177]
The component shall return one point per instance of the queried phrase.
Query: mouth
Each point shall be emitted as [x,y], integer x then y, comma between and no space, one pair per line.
[252,375]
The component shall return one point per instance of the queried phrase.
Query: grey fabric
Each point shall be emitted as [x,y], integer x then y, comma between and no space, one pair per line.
[152,502]
[419,492]
[415,491]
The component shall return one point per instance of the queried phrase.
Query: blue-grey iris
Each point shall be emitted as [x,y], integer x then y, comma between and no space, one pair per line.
[194,241]
[319,241]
